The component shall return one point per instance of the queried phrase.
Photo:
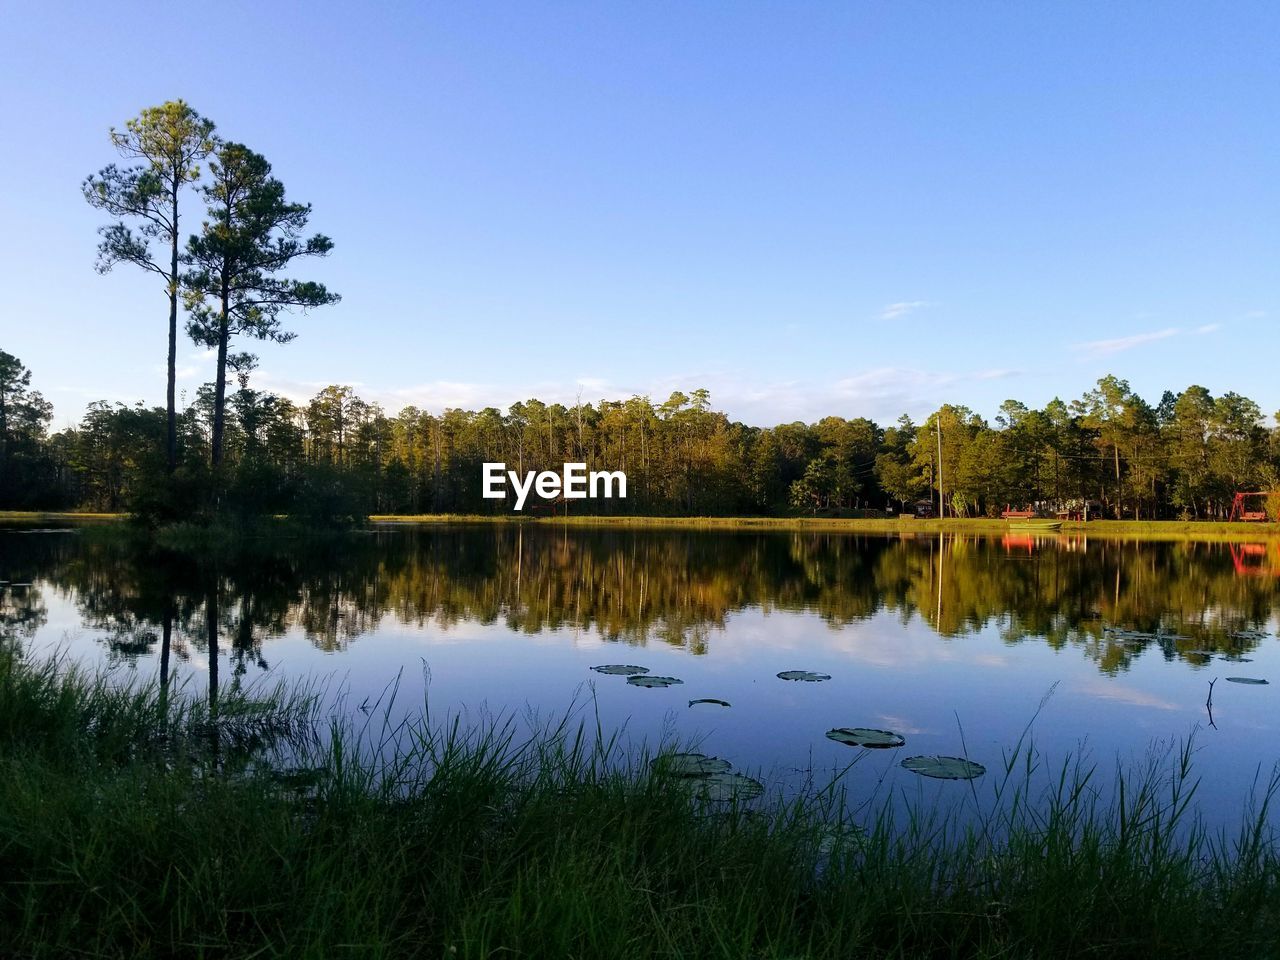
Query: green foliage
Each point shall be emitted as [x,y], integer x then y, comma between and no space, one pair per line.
[28,464]
[339,457]
[1273,506]
[170,141]
[144,200]
[232,285]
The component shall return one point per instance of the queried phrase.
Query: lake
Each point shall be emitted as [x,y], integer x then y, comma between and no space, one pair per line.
[952,641]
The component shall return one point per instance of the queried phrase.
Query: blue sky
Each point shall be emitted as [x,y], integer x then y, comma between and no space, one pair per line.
[852,208]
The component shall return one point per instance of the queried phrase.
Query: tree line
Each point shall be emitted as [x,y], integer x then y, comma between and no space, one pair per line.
[340,456]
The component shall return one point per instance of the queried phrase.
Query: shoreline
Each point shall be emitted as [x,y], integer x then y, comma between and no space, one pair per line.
[1191,530]
[1144,529]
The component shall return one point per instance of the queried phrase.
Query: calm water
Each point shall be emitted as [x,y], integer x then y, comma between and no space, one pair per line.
[933,637]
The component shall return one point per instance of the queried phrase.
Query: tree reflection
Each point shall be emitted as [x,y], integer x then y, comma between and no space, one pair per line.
[638,587]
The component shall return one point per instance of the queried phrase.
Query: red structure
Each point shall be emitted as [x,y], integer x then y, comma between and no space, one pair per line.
[1018,545]
[1253,560]
[1008,513]
[1250,505]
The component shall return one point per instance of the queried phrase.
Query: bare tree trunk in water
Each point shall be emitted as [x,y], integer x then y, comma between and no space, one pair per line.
[211,623]
[165,643]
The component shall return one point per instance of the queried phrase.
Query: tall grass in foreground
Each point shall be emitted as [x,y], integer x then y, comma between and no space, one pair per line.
[438,840]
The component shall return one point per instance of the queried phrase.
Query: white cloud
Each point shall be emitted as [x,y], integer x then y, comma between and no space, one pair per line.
[881,394]
[1106,689]
[1208,328]
[895,310]
[1103,348]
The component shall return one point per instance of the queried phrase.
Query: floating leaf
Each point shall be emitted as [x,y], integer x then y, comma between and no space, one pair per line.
[643,681]
[836,838]
[725,787]
[1254,680]
[718,703]
[690,765]
[1122,634]
[807,675]
[620,669]
[1250,635]
[866,737]
[945,768]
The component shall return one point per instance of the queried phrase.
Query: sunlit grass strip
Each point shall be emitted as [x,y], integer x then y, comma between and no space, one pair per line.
[425,839]
[33,516]
[1145,529]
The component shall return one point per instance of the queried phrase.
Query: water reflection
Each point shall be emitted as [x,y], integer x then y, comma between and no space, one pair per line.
[670,587]
[1256,559]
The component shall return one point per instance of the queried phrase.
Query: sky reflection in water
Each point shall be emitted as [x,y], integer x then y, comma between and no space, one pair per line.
[951,641]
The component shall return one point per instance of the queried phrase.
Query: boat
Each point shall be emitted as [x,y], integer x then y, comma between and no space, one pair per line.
[1039,526]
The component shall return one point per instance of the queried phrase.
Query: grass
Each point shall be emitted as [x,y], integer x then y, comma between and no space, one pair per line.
[1145,529]
[45,516]
[189,536]
[129,829]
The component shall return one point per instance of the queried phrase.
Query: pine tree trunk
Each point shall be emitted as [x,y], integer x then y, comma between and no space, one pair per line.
[220,388]
[171,434]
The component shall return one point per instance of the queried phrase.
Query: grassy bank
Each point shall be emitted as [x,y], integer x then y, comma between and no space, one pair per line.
[54,516]
[128,828]
[1145,529]
[190,536]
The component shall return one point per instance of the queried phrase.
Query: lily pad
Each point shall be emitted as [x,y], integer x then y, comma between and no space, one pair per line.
[690,765]
[643,681]
[866,737]
[713,700]
[836,839]
[1250,635]
[806,675]
[726,787]
[1254,680]
[620,669]
[1122,634]
[945,768]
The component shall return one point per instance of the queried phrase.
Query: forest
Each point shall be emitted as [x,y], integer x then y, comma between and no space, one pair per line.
[338,456]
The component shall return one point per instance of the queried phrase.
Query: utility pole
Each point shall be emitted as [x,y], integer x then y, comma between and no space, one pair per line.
[942,510]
